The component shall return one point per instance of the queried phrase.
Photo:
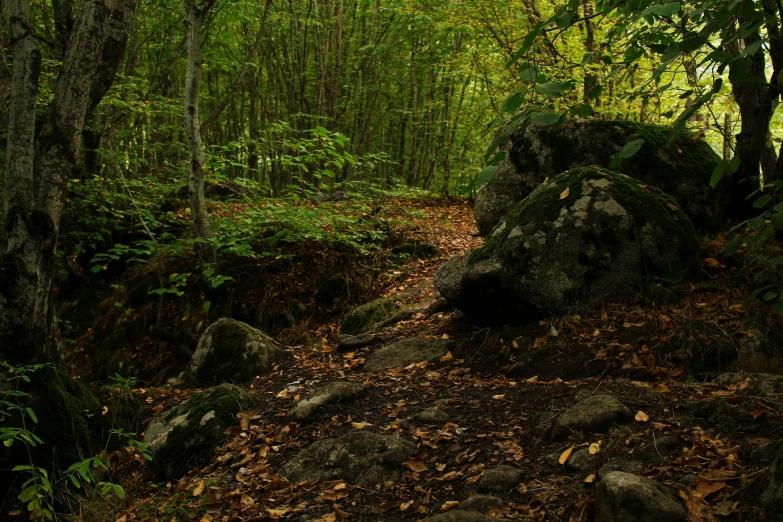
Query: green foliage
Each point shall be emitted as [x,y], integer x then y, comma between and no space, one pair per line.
[38,490]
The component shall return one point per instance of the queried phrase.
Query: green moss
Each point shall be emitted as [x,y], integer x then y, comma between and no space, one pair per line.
[193,441]
[228,359]
[543,206]
[360,319]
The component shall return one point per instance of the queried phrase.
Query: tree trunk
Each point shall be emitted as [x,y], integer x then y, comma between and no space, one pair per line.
[194,22]
[28,328]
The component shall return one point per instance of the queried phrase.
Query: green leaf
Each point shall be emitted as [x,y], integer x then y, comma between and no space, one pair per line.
[513,102]
[779,306]
[717,174]
[485,175]
[564,19]
[545,118]
[763,201]
[777,220]
[734,165]
[551,89]
[528,74]
[31,413]
[662,10]
[732,247]
[118,491]
[769,296]
[739,70]
[207,306]
[631,148]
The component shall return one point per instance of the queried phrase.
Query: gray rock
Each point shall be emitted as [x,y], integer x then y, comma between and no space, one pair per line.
[186,435]
[582,461]
[460,516]
[432,416]
[768,385]
[622,497]
[403,353]
[501,479]
[578,461]
[766,452]
[661,448]
[601,241]
[687,480]
[362,458]
[772,494]
[537,152]
[231,351]
[354,342]
[620,464]
[367,317]
[481,503]
[595,414]
[324,395]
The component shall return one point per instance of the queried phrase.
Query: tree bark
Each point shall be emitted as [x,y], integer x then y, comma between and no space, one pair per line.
[194,23]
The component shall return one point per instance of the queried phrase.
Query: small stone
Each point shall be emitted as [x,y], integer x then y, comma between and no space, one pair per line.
[354,342]
[500,480]
[595,414]
[687,480]
[433,416]
[481,503]
[583,461]
[661,448]
[407,352]
[623,497]
[324,395]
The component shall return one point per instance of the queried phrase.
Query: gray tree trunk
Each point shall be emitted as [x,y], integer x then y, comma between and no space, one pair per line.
[194,23]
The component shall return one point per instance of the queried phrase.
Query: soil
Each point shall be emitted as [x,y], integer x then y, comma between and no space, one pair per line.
[501,388]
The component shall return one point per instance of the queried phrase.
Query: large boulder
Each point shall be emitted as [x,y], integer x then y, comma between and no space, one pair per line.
[186,435]
[361,457]
[231,351]
[772,492]
[587,234]
[595,414]
[537,152]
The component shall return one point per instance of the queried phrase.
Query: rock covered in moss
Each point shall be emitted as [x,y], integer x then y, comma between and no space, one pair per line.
[186,435]
[623,497]
[408,351]
[537,152]
[362,318]
[588,234]
[595,414]
[324,395]
[772,494]
[361,457]
[231,351]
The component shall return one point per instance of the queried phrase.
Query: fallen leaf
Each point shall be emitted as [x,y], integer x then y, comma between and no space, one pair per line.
[641,416]
[565,193]
[247,501]
[416,466]
[714,263]
[198,490]
[448,505]
[564,456]
[594,448]
[590,478]
[446,357]
[406,505]
[360,425]
[498,397]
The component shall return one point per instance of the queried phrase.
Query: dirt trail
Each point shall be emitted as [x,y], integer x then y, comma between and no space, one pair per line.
[491,399]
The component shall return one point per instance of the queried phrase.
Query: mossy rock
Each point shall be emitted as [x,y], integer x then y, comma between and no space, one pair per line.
[361,457]
[588,234]
[772,494]
[323,396]
[231,351]
[537,152]
[408,351]
[362,318]
[186,435]
[417,249]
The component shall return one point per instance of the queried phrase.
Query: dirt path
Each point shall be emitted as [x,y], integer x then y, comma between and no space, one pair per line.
[491,400]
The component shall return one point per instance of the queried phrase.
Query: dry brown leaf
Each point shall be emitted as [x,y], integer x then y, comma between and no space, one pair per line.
[446,357]
[590,478]
[594,448]
[416,466]
[565,455]
[448,505]
[360,425]
[199,489]
[565,193]
[498,397]
[641,416]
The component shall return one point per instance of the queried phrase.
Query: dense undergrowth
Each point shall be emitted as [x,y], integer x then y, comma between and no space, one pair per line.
[134,296]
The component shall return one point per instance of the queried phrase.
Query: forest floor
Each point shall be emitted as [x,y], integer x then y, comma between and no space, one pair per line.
[657,355]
